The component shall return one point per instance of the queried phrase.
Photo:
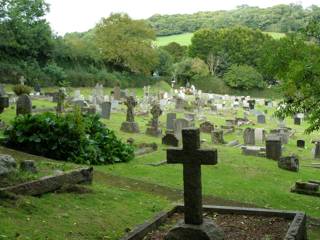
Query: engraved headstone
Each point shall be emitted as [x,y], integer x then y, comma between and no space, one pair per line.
[130,125]
[105,110]
[154,129]
[24,105]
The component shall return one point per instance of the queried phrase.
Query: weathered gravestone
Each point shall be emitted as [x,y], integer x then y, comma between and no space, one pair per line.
[261,119]
[273,147]
[24,105]
[180,124]
[316,149]
[28,166]
[301,143]
[252,104]
[105,110]
[206,127]
[194,227]
[170,139]
[156,112]
[61,98]
[130,125]
[290,163]
[116,92]
[180,103]
[4,100]
[283,133]
[217,136]
[7,165]
[170,120]
[249,136]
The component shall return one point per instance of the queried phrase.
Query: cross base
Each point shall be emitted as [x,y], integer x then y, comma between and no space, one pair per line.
[206,231]
[130,127]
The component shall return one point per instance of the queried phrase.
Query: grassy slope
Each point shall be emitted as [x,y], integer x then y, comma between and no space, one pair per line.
[185,38]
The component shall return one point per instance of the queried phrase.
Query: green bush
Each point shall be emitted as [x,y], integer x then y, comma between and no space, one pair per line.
[55,73]
[212,84]
[72,137]
[21,89]
[243,77]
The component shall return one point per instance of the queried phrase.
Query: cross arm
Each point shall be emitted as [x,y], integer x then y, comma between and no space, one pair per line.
[199,156]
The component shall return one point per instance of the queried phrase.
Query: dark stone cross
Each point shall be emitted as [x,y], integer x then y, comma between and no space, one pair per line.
[192,157]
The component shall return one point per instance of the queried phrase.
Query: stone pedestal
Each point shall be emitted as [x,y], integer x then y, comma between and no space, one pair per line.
[206,231]
[130,127]
[152,131]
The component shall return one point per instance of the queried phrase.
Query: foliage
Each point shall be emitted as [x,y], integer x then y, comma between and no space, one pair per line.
[164,67]
[126,43]
[189,69]
[21,89]
[224,47]
[177,51]
[243,77]
[73,137]
[279,18]
[55,73]
[212,84]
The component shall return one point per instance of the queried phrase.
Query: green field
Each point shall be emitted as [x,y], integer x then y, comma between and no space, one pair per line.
[185,38]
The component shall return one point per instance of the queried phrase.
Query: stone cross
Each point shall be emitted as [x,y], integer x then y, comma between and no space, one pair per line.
[61,98]
[156,113]
[131,103]
[192,157]
[22,80]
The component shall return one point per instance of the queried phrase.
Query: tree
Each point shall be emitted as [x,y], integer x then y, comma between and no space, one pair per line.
[190,69]
[164,66]
[243,77]
[126,43]
[177,51]
[23,31]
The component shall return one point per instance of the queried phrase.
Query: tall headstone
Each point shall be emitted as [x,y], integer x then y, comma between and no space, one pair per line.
[180,124]
[116,92]
[105,110]
[24,105]
[130,125]
[316,149]
[249,136]
[273,147]
[156,112]
[192,157]
[170,120]
[61,99]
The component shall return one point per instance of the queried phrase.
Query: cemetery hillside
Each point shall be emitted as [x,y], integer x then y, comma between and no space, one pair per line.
[184,126]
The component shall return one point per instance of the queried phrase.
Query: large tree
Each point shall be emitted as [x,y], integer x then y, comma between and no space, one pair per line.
[24,33]
[126,43]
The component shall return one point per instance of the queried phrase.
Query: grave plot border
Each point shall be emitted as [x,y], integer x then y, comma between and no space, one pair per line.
[297,229]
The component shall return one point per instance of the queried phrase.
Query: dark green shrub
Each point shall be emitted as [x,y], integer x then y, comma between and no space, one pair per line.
[243,77]
[73,137]
[55,73]
[212,84]
[21,89]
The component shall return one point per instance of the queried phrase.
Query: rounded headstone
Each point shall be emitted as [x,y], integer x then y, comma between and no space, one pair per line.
[7,164]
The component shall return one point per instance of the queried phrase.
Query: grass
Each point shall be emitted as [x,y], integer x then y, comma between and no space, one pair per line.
[185,38]
[237,177]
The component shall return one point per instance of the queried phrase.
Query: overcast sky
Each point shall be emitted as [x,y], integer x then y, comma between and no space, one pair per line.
[81,15]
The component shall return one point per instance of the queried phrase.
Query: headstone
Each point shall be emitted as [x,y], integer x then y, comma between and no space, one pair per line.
[2,90]
[37,88]
[259,135]
[254,151]
[230,122]
[290,163]
[61,98]
[7,165]
[217,136]
[130,125]
[283,133]
[28,166]
[190,117]
[22,80]
[297,120]
[261,119]
[24,105]
[273,147]
[317,149]
[301,143]
[170,120]
[105,110]
[180,124]
[206,127]
[192,157]
[251,104]
[179,103]
[170,139]
[154,129]
[249,136]
[116,92]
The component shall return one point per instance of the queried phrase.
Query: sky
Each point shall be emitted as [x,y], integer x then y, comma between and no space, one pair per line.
[82,15]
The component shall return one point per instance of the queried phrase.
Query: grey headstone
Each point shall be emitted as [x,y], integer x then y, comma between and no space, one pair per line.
[261,119]
[7,164]
[170,120]
[249,136]
[105,110]
[180,124]
[24,105]
[290,163]
[273,147]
